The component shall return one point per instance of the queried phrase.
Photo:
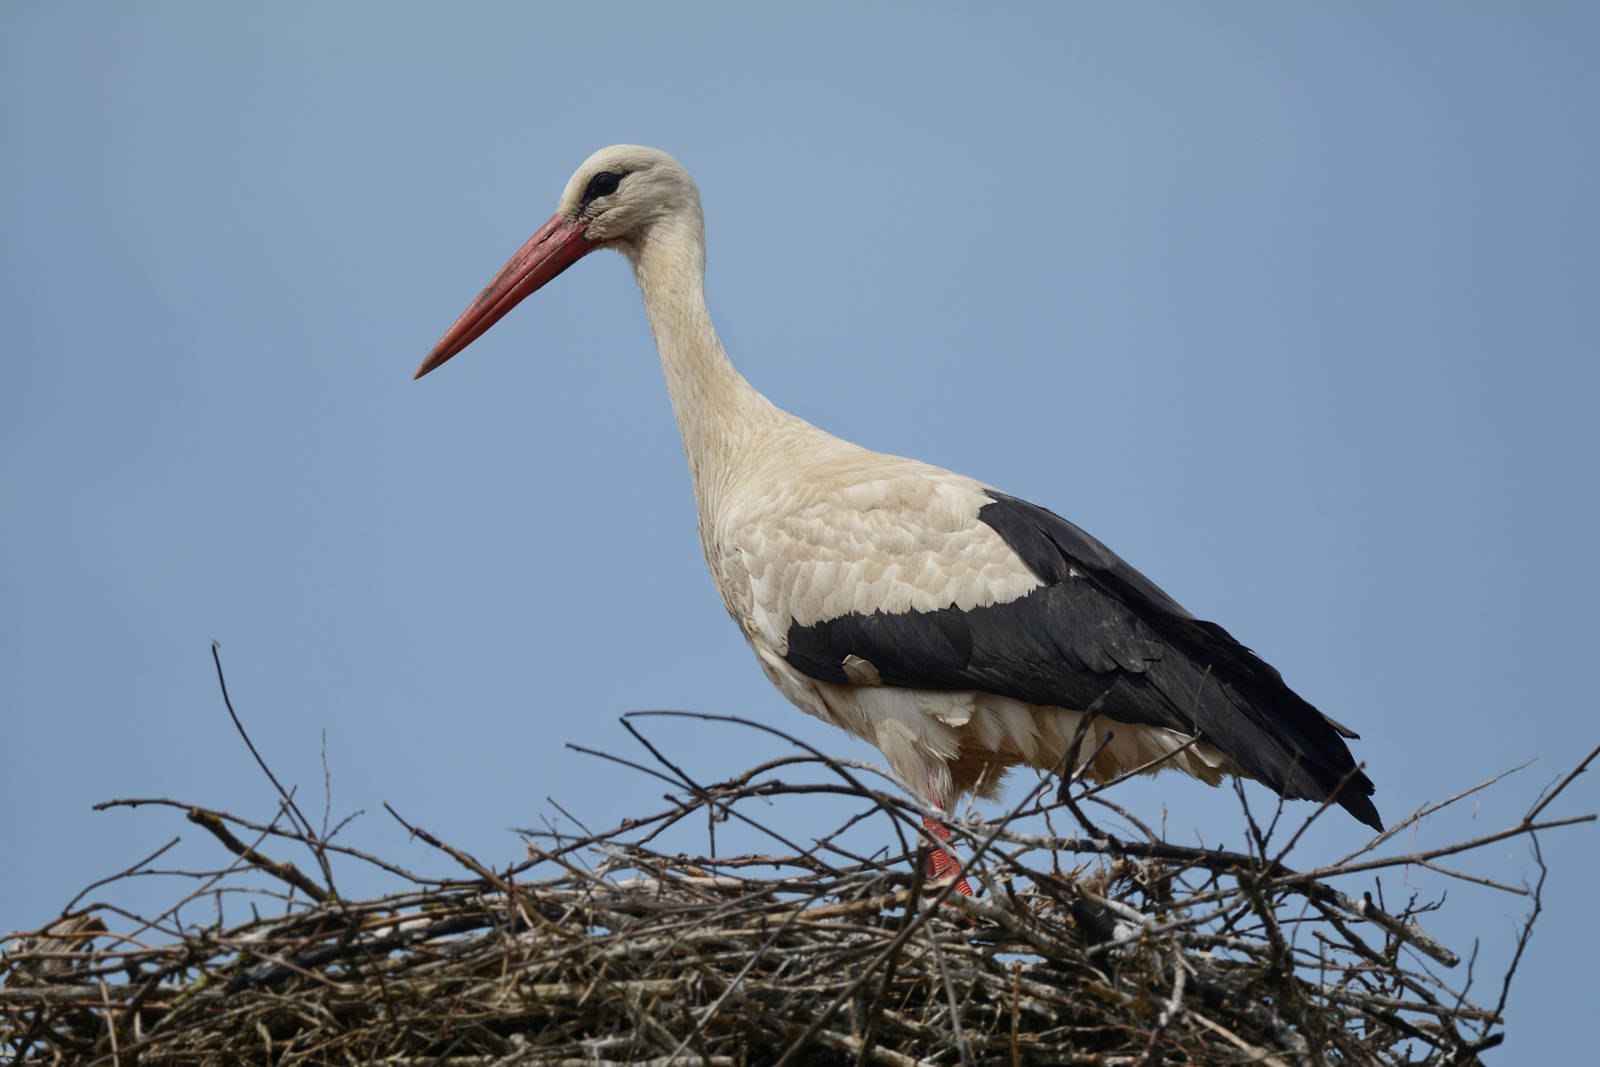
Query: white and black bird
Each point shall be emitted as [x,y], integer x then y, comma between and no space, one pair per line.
[960,630]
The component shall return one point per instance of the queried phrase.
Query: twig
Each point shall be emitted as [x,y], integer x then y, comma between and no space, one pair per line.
[311,838]
[284,871]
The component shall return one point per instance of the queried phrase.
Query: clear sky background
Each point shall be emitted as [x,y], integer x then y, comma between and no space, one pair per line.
[1295,307]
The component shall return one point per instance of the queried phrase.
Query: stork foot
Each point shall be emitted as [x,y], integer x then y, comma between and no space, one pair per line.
[942,863]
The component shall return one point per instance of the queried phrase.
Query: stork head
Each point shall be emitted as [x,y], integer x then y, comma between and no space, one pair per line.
[618,198]
[622,192]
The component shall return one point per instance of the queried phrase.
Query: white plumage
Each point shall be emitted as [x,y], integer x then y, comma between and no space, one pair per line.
[958,630]
[835,530]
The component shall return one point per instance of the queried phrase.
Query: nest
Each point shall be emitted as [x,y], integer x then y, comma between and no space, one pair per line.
[1082,947]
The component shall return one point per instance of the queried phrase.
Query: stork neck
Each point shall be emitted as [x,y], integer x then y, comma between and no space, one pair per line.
[715,407]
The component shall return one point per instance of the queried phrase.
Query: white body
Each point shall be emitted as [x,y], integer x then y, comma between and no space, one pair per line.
[807,527]
[800,525]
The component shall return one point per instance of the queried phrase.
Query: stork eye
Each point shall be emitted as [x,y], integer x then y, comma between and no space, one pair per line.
[603,184]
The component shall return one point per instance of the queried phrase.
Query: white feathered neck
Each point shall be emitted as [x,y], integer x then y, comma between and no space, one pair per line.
[721,417]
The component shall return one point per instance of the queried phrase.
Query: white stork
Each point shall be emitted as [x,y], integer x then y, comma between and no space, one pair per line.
[960,630]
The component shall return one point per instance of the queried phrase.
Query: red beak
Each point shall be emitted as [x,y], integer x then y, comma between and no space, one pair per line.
[558,245]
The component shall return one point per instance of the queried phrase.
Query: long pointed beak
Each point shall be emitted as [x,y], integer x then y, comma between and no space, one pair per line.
[558,245]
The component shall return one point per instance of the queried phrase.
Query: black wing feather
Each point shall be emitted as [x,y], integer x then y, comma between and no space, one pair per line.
[1098,635]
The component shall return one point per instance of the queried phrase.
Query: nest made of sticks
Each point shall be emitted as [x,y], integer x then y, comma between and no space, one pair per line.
[600,948]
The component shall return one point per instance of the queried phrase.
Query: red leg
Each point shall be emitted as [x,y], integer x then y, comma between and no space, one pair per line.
[943,863]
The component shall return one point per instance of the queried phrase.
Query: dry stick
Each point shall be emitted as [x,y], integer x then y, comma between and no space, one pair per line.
[1016,1000]
[1353,943]
[1257,1054]
[944,893]
[1538,896]
[683,811]
[1475,879]
[1168,1014]
[1425,810]
[1242,863]
[710,1011]
[682,776]
[1109,845]
[305,824]
[271,829]
[680,811]
[956,1029]
[284,871]
[1290,879]
[1283,878]
[1294,838]
[1127,816]
[126,872]
[207,880]
[1533,812]
[1313,881]
[836,766]
[454,853]
[111,1026]
[664,818]
[1434,853]
[876,1010]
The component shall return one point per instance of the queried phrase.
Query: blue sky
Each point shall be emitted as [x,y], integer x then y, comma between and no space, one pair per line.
[1294,307]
